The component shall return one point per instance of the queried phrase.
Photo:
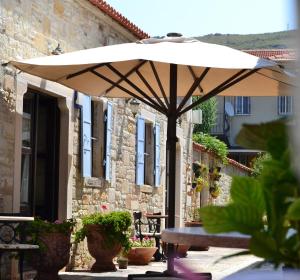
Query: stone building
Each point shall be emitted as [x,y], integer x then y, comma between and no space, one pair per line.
[63,154]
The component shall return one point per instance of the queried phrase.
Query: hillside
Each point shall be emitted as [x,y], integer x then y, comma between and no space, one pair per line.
[276,40]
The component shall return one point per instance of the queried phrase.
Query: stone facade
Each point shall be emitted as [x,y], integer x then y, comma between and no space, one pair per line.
[34,28]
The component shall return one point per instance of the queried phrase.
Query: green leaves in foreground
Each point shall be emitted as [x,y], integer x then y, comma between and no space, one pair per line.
[271,137]
[266,207]
[245,212]
[293,212]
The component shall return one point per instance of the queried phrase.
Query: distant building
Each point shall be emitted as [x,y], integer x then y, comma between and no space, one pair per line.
[233,112]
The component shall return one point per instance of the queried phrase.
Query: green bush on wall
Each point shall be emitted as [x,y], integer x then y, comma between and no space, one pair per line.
[212,144]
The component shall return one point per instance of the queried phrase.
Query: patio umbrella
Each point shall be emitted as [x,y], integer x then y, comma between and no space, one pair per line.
[157,72]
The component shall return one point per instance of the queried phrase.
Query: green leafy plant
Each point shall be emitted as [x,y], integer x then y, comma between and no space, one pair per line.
[209,115]
[115,224]
[212,144]
[37,228]
[266,207]
[258,163]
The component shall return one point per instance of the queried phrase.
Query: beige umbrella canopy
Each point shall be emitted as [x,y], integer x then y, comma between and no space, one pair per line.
[157,71]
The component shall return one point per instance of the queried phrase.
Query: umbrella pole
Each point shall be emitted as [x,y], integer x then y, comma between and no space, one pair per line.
[171,148]
[171,160]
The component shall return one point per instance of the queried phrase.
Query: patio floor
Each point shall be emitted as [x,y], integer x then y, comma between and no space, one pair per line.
[203,261]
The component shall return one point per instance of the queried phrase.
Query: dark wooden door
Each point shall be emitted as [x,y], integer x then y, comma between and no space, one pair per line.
[40,146]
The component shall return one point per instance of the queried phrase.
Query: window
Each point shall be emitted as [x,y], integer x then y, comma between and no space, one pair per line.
[148,153]
[96,128]
[285,104]
[242,105]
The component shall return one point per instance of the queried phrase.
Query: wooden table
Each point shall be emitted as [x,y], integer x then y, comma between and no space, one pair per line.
[155,216]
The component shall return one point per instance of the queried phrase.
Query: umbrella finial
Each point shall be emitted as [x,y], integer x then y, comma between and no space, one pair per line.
[174,34]
[58,50]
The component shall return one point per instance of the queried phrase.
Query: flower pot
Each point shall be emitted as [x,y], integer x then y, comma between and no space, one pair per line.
[141,255]
[100,250]
[180,249]
[123,263]
[196,224]
[53,255]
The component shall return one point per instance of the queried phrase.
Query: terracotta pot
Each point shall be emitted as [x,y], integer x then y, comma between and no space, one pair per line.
[54,254]
[141,255]
[123,263]
[196,224]
[100,250]
[180,249]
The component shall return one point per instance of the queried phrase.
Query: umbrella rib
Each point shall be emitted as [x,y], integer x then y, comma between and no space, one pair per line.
[226,84]
[151,89]
[84,71]
[190,92]
[159,84]
[276,80]
[135,68]
[127,91]
[134,86]
[195,76]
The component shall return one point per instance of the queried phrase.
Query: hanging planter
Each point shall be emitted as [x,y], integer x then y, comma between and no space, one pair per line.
[214,173]
[201,183]
[215,191]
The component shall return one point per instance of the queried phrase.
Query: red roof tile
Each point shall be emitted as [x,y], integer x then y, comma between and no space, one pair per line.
[274,54]
[118,17]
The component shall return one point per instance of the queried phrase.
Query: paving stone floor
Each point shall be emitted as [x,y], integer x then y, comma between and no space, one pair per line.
[203,261]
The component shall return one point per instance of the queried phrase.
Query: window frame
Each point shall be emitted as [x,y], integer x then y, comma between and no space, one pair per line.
[242,111]
[288,105]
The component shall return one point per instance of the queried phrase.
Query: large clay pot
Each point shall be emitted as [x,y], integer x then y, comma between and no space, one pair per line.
[141,255]
[180,249]
[53,255]
[101,250]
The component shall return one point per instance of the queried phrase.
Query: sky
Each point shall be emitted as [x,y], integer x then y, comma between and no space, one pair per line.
[201,17]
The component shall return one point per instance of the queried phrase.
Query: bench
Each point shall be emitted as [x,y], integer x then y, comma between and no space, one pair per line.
[11,241]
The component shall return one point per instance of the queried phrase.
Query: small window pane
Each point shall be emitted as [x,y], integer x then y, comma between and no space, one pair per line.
[285,105]
[242,105]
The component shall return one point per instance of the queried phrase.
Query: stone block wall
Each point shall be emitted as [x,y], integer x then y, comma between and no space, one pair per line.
[34,28]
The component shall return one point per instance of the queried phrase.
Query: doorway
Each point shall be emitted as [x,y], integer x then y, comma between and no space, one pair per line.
[40,146]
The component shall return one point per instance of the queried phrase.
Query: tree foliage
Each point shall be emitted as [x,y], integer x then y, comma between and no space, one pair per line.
[209,115]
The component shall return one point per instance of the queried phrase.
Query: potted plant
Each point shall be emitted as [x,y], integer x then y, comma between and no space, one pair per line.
[53,239]
[215,190]
[141,251]
[267,206]
[123,259]
[106,235]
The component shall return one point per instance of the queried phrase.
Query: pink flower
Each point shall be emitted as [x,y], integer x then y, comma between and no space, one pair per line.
[146,237]
[57,222]
[104,207]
